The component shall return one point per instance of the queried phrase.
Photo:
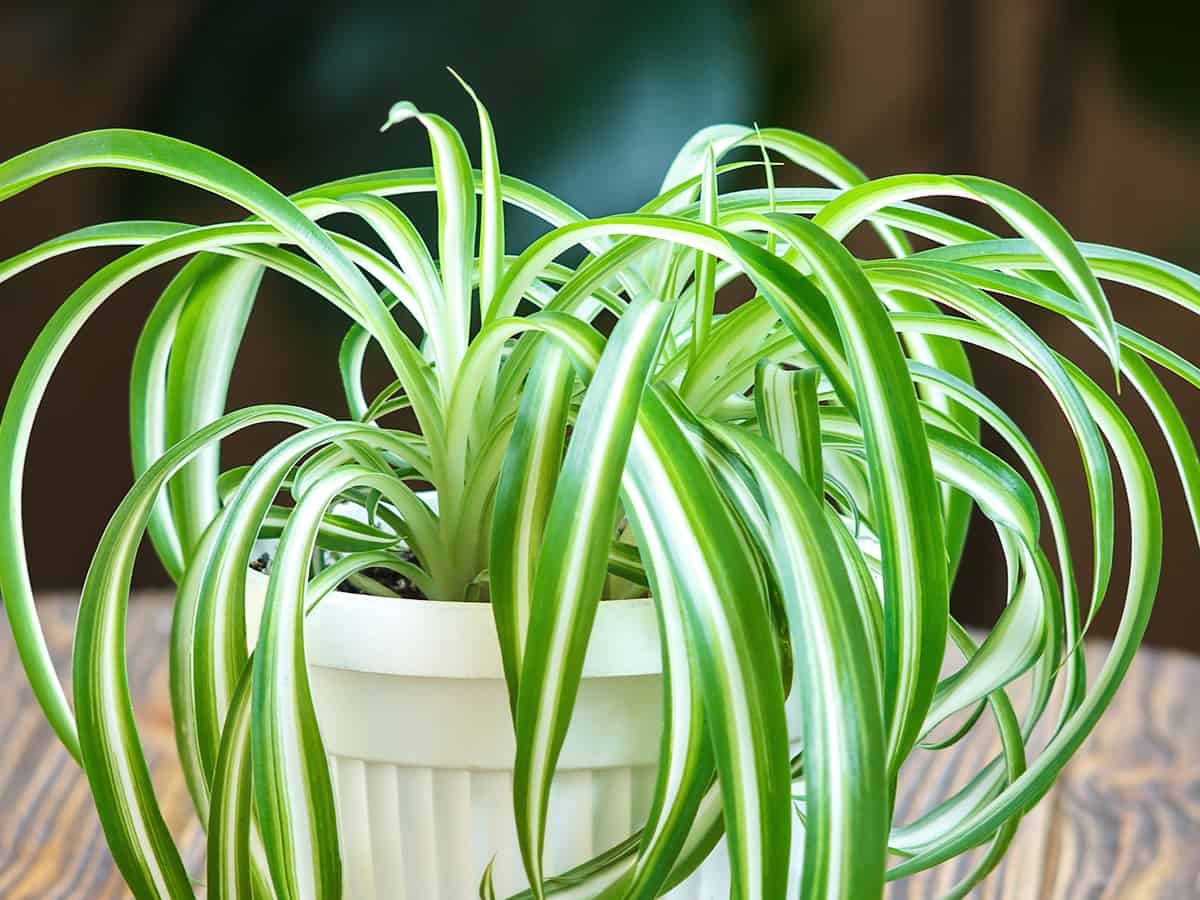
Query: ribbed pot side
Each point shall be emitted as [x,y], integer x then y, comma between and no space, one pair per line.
[413,709]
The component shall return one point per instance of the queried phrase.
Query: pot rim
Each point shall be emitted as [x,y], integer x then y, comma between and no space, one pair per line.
[405,636]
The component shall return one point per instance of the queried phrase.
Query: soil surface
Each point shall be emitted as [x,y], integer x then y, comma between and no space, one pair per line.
[392,580]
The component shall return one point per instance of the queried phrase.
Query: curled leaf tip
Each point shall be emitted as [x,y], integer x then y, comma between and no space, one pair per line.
[487,890]
[462,81]
[400,112]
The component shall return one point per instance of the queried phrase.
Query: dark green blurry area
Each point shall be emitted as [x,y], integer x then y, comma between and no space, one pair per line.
[1092,107]
[1154,45]
[591,108]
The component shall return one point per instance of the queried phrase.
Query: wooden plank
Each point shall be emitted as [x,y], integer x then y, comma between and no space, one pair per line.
[1123,821]
[51,843]
[1127,822]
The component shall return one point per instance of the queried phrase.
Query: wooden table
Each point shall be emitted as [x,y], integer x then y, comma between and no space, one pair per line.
[1122,822]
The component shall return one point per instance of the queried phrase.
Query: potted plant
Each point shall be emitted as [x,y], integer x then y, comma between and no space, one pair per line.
[689,569]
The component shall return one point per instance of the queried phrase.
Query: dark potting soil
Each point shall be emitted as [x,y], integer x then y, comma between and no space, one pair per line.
[390,579]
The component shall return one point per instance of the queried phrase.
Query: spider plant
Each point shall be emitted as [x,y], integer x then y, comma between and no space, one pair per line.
[792,482]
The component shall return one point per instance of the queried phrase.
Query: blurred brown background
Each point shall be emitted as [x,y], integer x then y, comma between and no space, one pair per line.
[1094,108]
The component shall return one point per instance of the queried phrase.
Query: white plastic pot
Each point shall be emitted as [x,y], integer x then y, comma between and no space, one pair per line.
[413,710]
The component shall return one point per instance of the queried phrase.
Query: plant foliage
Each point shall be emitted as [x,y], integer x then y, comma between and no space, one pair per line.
[792,481]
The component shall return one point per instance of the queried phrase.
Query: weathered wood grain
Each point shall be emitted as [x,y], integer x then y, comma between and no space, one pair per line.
[1122,822]
[51,844]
